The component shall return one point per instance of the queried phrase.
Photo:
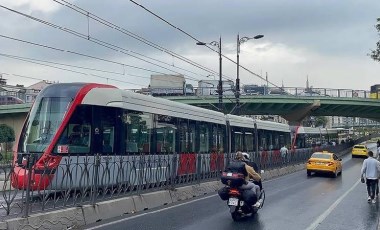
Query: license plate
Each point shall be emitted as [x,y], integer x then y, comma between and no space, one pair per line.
[233,201]
[229,174]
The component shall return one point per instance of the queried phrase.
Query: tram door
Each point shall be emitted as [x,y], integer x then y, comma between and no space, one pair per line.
[104,129]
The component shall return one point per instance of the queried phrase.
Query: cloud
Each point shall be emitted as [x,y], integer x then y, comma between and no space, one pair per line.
[45,6]
[301,38]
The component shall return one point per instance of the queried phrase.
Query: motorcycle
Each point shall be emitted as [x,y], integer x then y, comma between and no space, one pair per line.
[242,202]
[240,208]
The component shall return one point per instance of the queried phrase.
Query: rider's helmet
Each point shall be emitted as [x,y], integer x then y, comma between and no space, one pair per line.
[246,156]
[239,156]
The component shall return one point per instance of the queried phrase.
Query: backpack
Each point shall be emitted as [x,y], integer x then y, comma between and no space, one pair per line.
[234,174]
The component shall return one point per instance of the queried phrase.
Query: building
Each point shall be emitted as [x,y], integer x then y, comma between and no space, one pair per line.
[17,94]
[33,90]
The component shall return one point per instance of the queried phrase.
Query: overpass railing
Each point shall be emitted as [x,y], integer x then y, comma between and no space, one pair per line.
[80,180]
[263,90]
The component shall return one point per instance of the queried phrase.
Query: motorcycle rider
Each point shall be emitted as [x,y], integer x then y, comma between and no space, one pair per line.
[254,166]
[251,174]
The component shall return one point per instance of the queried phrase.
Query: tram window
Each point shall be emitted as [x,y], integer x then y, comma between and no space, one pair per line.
[108,139]
[217,139]
[204,137]
[108,119]
[215,146]
[276,142]
[281,141]
[263,145]
[183,137]
[187,136]
[221,137]
[166,131]
[249,141]
[76,138]
[191,137]
[78,134]
[269,141]
[138,131]
[238,139]
[45,118]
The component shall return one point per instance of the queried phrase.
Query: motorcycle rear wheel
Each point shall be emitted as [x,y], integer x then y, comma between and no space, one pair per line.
[236,216]
[262,196]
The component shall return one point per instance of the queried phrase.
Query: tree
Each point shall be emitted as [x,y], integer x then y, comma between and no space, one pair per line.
[375,54]
[321,121]
[7,134]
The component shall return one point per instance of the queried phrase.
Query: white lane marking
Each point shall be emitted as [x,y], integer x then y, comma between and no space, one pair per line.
[147,213]
[323,216]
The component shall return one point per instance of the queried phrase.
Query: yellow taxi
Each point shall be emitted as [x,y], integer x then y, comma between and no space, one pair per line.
[360,151]
[325,162]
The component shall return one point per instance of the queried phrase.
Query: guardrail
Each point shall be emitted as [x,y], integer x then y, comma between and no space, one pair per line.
[264,90]
[81,180]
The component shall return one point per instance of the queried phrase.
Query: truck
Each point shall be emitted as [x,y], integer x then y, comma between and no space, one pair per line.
[210,87]
[254,90]
[169,85]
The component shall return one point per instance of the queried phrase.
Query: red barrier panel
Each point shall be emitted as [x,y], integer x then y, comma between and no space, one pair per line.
[216,161]
[277,158]
[187,164]
[264,158]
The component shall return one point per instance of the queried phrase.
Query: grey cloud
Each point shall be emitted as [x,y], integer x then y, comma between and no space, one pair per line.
[333,28]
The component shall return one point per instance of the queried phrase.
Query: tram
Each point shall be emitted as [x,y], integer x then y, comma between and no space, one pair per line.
[84,120]
[306,137]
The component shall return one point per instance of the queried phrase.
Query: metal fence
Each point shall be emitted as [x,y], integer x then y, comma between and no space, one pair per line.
[295,91]
[80,180]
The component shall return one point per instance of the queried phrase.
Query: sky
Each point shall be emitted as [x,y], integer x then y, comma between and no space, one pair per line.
[122,43]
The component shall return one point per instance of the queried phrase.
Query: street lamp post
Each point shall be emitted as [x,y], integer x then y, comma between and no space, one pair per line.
[220,85]
[237,93]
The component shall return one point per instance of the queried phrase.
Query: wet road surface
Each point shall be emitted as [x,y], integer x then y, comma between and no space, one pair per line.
[293,201]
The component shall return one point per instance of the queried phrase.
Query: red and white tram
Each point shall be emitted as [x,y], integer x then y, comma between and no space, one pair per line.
[84,120]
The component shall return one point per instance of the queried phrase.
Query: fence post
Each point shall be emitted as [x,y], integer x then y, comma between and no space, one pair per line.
[96,179]
[174,170]
[199,167]
[29,166]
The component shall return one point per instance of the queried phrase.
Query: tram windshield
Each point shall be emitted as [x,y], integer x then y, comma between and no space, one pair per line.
[43,122]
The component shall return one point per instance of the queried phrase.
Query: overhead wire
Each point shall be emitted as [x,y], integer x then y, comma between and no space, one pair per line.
[111,25]
[108,45]
[41,79]
[16,75]
[56,63]
[37,61]
[70,70]
[98,41]
[79,54]
[207,45]
[245,68]
[192,37]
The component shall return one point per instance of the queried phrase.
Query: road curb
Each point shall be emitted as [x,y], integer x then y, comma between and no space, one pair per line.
[59,219]
[156,199]
[108,209]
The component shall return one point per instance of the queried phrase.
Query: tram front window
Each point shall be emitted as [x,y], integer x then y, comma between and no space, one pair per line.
[43,122]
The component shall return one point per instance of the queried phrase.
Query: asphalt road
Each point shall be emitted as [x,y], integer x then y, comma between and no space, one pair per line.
[293,201]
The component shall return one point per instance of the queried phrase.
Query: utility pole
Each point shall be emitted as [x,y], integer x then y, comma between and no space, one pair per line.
[237,93]
[220,84]
[220,92]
